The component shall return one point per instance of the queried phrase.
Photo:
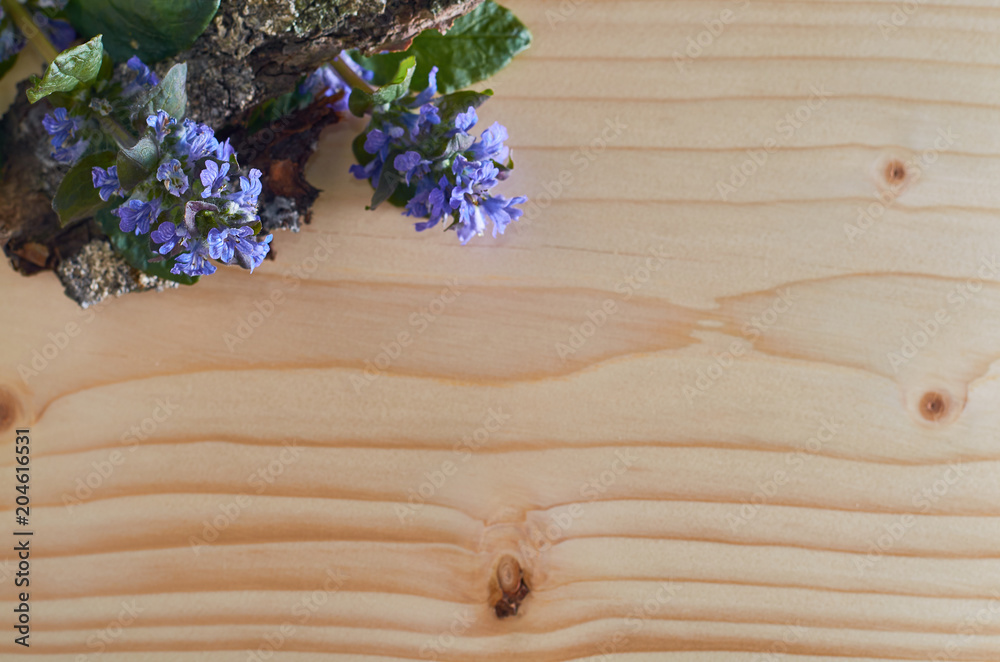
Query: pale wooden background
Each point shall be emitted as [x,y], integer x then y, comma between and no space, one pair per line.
[879,541]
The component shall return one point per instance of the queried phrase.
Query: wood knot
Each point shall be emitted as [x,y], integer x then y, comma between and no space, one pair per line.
[512,587]
[933,406]
[9,409]
[895,172]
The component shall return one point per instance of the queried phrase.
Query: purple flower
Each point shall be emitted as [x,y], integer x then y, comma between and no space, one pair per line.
[431,202]
[198,140]
[161,123]
[11,41]
[69,154]
[222,244]
[490,146]
[412,165]
[323,81]
[60,33]
[258,252]
[214,178]
[326,81]
[107,181]
[61,126]
[429,114]
[470,198]
[250,190]
[137,215]
[170,235]
[195,262]
[146,77]
[429,92]
[224,151]
[465,121]
[171,173]
[472,178]
[471,222]
[371,171]
[377,142]
[502,211]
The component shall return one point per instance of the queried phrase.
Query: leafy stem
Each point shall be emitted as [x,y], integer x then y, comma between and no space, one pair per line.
[34,34]
[112,127]
[347,74]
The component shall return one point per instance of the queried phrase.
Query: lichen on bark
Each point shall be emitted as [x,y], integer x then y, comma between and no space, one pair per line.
[258,49]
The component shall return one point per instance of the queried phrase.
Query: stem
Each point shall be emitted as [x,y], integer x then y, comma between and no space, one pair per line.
[355,81]
[23,20]
[124,139]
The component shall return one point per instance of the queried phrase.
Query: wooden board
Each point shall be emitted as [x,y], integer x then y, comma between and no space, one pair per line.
[711,414]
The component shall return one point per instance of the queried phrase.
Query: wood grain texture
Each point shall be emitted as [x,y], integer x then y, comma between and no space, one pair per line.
[775,437]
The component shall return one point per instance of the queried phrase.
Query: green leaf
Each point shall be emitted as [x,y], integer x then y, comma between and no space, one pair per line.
[72,67]
[151,29]
[275,109]
[171,94]
[459,102]
[477,46]
[402,195]
[458,143]
[77,198]
[399,86]
[388,182]
[135,165]
[359,103]
[136,251]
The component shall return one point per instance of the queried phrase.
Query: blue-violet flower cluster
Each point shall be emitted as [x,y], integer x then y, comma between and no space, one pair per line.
[195,207]
[425,143]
